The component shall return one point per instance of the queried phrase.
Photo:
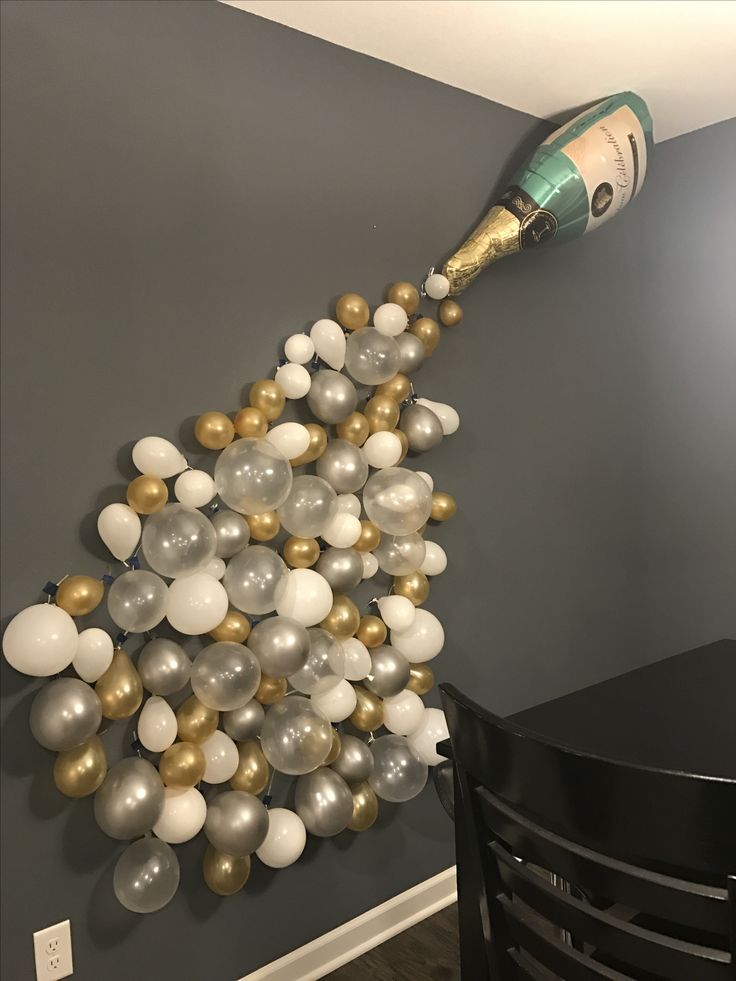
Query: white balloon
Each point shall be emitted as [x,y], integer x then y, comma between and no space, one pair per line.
[119,528]
[435,560]
[195,488]
[294,379]
[343,531]
[285,839]
[157,725]
[422,641]
[403,713]
[348,504]
[383,450]
[427,478]
[431,730]
[329,343]
[40,640]
[337,703]
[196,604]
[357,659]
[390,319]
[299,348]
[290,437]
[370,564]
[397,612]
[221,757]
[437,286]
[303,595]
[448,417]
[94,654]
[158,457]
[183,815]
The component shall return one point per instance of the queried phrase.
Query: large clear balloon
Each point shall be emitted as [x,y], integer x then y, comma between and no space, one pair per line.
[178,540]
[40,640]
[324,665]
[355,761]
[232,532]
[237,823]
[324,802]
[397,500]
[196,604]
[130,800]
[280,644]
[137,601]
[371,357]
[422,428]
[309,508]
[305,596]
[225,676]
[252,578]
[398,773]
[120,529]
[285,839]
[146,876]
[389,672]
[432,729]
[245,722]
[65,713]
[252,476]
[156,725]
[400,555]
[422,641]
[341,567]
[183,815]
[343,465]
[164,666]
[332,396]
[294,738]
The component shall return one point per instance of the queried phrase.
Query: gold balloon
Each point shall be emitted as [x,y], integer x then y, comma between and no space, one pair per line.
[263,527]
[370,536]
[355,429]
[421,679]
[235,628]
[79,772]
[404,440]
[397,388]
[365,807]
[79,595]
[268,396]
[343,619]
[120,689]
[317,445]
[368,713]
[382,413]
[253,771]
[270,690]
[352,311]
[372,631]
[301,553]
[428,332]
[335,749]
[251,422]
[225,874]
[214,430]
[147,494]
[406,295]
[195,721]
[414,586]
[182,765]
[451,313]
[444,506]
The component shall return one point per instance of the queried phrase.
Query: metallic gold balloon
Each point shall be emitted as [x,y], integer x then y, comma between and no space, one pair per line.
[147,494]
[444,506]
[253,771]
[415,586]
[343,619]
[382,413]
[428,332]
[263,527]
[365,808]
[370,536]
[79,772]
[352,311]
[120,689]
[404,440]
[355,429]
[235,628]
[301,553]
[251,422]
[225,874]
[317,445]
[268,396]
[368,714]
[421,679]
[270,690]
[182,765]
[214,430]
[335,749]
[195,721]
[451,313]
[406,295]
[372,631]
[398,388]
[79,595]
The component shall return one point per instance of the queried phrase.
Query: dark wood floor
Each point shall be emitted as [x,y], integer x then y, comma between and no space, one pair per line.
[428,951]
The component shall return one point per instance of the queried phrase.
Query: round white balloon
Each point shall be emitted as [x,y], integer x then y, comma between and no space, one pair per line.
[348,504]
[448,417]
[183,815]
[357,659]
[294,379]
[437,286]
[343,531]
[403,713]
[195,488]
[215,568]
[337,703]
[435,560]
[221,757]
[290,437]
[390,319]
[40,640]
[94,654]
[119,528]
[370,564]
[285,839]
[397,612]
[157,725]
[304,595]
[196,604]
[299,348]
[158,457]
[422,641]
[383,450]
[329,343]
[431,730]
[427,478]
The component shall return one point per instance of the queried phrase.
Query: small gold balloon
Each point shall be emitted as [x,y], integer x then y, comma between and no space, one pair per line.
[147,494]
[301,553]
[268,396]
[214,430]
[182,765]
[120,689]
[335,749]
[251,422]
[352,311]
[406,295]
[317,445]
[370,536]
[444,506]
[382,413]
[195,721]
[428,332]
[343,619]
[270,690]
[368,713]
[79,772]
[415,586]
[451,313]
[79,595]
[365,808]
[225,874]
[372,631]
[253,771]
[404,440]
[263,527]
[235,628]
[355,429]
[421,679]
[397,388]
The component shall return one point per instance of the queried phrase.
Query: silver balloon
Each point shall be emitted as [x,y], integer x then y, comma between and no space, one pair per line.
[252,476]
[399,555]
[371,357]
[164,666]
[341,567]
[411,352]
[309,508]
[343,465]
[177,541]
[398,773]
[355,762]
[231,531]
[146,875]
[245,722]
[421,427]
[397,500]
[294,738]
[332,396]
[225,676]
[251,579]
[389,672]
[324,666]
[280,644]
[236,823]
[65,713]
[130,800]
[324,802]
[136,601]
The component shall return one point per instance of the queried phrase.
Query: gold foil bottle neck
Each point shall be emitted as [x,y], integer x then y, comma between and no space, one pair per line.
[495,237]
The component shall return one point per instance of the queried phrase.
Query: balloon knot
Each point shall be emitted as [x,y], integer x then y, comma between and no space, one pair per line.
[51,588]
[107,579]
[267,800]
[133,562]
[121,638]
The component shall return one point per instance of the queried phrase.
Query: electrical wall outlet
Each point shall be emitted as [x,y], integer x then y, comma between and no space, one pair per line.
[53,950]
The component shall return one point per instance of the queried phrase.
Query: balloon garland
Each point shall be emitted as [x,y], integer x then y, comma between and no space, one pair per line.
[259,558]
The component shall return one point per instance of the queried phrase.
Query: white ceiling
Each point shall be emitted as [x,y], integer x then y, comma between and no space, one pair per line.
[545,57]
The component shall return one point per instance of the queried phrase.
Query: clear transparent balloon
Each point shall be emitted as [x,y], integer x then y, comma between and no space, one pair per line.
[295,739]
[225,676]
[398,555]
[130,800]
[398,773]
[397,500]
[178,540]
[137,601]
[324,665]
[309,508]
[252,578]
[371,357]
[146,876]
[252,476]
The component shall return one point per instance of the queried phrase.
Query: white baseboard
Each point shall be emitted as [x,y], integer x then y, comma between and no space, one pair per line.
[340,946]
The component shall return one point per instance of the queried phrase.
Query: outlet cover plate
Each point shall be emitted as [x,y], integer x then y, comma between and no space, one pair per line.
[53,952]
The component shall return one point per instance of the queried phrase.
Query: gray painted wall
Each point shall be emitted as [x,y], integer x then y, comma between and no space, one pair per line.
[185,185]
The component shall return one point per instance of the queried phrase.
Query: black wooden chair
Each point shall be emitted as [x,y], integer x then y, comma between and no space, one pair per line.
[578,867]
